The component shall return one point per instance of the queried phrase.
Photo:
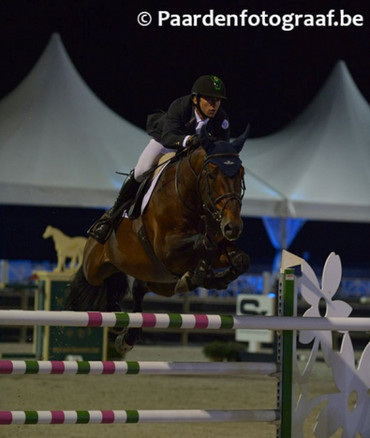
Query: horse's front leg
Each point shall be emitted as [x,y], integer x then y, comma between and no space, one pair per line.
[61,259]
[233,262]
[205,252]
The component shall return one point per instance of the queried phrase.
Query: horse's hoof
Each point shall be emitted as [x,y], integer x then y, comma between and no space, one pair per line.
[117,330]
[240,261]
[114,307]
[182,285]
[121,346]
[201,273]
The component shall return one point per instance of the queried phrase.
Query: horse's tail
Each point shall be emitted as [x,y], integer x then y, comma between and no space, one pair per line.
[105,298]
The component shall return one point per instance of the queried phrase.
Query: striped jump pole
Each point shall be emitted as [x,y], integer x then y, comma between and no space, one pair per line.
[181,321]
[139,367]
[137,416]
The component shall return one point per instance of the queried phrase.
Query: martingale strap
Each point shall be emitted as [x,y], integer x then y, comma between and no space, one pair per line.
[159,266]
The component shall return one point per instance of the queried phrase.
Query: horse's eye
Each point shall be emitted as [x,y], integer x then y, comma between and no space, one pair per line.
[212,176]
[212,172]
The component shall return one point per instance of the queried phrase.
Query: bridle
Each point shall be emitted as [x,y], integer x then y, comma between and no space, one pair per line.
[209,204]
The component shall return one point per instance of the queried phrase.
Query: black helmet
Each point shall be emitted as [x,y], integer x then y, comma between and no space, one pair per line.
[209,86]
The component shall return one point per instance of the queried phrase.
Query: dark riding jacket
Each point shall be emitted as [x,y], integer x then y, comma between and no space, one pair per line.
[171,128]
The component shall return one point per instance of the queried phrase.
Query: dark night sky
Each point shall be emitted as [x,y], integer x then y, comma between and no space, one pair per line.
[270,74]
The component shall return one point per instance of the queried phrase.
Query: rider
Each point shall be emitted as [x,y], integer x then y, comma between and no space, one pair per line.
[178,127]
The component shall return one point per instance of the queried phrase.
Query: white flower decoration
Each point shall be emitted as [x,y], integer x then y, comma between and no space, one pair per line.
[350,382]
[313,294]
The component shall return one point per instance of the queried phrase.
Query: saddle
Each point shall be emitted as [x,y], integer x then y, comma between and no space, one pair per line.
[147,186]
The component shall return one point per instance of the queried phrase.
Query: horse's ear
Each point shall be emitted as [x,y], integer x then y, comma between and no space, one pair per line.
[204,139]
[239,142]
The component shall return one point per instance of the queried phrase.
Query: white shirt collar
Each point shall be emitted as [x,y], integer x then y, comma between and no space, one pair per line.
[197,116]
[200,122]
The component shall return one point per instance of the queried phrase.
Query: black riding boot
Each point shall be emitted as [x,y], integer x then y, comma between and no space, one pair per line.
[103,228]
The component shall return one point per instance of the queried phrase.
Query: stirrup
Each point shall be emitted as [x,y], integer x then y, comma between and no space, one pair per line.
[101,230]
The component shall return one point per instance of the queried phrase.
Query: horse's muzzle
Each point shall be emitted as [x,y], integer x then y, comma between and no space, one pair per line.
[231,229]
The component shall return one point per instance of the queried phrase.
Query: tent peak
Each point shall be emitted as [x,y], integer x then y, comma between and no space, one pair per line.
[341,64]
[341,72]
[338,99]
[55,45]
[55,36]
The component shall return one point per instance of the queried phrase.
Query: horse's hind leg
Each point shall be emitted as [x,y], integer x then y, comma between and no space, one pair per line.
[116,288]
[83,296]
[138,292]
[128,338]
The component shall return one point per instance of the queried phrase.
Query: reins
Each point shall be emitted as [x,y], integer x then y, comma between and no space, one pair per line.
[177,173]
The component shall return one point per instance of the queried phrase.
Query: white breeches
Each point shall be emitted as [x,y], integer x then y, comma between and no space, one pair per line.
[149,157]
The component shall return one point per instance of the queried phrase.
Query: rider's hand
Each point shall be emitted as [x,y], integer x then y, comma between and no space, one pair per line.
[193,141]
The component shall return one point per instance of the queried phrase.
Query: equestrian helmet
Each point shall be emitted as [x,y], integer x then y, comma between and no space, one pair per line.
[209,86]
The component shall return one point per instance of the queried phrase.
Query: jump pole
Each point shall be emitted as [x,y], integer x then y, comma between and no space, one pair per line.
[137,416]
[180,321]
[140,367]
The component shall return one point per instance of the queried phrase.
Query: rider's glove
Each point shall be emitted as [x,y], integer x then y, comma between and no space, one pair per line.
[193,141]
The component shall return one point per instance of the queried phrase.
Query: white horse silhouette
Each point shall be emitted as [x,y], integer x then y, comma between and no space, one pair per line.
[66,248]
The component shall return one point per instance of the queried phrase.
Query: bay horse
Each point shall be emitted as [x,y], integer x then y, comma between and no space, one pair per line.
[184,239]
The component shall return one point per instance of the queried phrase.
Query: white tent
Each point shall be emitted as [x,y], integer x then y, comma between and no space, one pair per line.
[261,199]
[60,145]
[320,163]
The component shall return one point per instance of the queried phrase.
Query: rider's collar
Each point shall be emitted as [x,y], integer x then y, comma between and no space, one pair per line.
[199,121]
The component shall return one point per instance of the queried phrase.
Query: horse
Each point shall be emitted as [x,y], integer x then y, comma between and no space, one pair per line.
[184,239]
[66,247]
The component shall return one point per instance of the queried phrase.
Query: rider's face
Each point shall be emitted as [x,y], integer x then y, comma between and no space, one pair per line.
[209,106]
